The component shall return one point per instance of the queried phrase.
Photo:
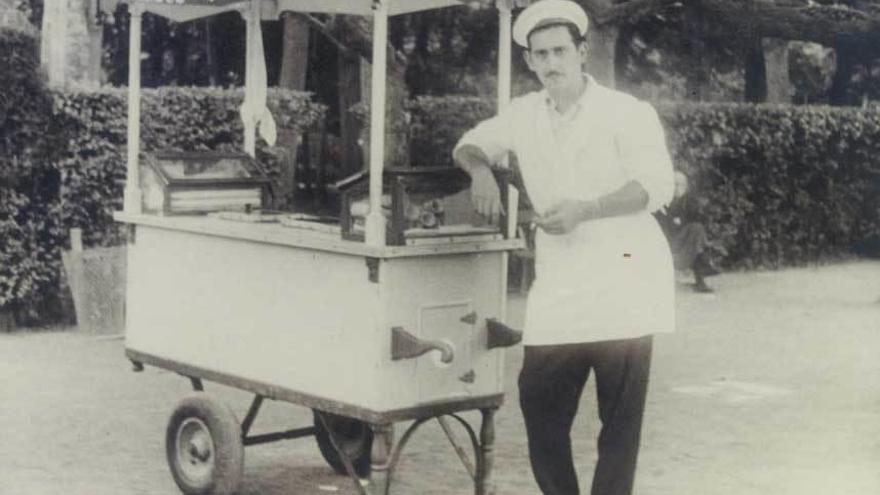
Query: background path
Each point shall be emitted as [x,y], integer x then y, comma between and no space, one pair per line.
[770,387]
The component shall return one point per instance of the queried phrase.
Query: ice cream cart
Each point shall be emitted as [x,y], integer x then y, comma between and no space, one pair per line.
[393,313]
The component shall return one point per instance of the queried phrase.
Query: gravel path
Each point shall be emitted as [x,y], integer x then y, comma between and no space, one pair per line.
[770,387]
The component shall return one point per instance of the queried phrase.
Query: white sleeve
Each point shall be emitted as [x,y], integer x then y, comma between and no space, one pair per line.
[493,136]
[645,159]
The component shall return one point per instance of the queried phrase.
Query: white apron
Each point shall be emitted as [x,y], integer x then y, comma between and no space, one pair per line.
[610,278]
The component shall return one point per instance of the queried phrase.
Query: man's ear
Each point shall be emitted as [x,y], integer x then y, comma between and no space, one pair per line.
[527,56]
[583,50]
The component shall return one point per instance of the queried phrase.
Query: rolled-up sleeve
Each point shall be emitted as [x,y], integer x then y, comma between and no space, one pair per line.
[645,157]
[493,136]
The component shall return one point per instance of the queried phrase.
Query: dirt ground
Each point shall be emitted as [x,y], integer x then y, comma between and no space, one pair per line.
[770,387]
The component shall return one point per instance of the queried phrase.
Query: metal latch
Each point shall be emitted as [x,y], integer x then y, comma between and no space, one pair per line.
[469,318]
[468,377]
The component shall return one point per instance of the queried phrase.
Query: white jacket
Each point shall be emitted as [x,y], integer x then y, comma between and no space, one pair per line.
[610,278]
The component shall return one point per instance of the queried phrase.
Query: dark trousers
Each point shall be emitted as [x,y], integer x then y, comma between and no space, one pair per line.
[687,243]
[550,386]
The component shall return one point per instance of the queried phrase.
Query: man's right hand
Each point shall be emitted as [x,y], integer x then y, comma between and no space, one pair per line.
[485,194]
[484,190]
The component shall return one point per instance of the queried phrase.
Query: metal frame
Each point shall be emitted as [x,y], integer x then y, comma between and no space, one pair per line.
[483,446]
[384,455]
[253,11]
[332,406]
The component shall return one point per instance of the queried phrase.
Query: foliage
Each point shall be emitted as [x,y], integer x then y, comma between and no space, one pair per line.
[811,68]
[449,50]
[199,53]
[437,122]
[799,183]
[29,139]
[776,185]
[681,55]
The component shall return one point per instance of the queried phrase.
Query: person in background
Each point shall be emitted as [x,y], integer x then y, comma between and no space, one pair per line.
[691,248]
[595,165]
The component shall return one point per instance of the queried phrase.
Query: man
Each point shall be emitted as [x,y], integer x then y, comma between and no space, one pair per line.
[595,165]
[682,224]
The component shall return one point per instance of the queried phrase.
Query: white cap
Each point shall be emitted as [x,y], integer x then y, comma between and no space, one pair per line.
[546,12]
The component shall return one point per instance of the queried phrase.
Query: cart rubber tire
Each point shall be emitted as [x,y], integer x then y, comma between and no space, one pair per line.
[356,438]
[204,447]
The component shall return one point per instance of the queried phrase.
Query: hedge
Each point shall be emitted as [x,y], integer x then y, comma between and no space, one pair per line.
[777,185]
[29,140]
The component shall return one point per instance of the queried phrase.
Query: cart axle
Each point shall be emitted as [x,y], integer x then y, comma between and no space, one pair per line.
[283,435]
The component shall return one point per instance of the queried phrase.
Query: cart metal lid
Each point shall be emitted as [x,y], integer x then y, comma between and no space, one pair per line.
[187,10]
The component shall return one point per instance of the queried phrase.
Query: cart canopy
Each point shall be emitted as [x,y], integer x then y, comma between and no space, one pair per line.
[187,10]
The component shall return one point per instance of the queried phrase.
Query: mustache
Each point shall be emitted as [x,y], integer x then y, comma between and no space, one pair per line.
[552,73]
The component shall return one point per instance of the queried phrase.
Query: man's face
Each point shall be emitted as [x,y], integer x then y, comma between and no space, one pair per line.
[554,57]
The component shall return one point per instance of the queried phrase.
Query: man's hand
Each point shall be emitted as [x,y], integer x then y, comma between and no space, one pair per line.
[563,217]
[485,194]
[484,190]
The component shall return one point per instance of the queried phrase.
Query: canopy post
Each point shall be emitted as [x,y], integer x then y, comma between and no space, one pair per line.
[504,73]
[250,14]
[504,53]
[505,60]
[375,221]
[132,194]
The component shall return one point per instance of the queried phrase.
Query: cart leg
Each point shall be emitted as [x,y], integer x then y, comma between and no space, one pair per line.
[380,459]
[484,483]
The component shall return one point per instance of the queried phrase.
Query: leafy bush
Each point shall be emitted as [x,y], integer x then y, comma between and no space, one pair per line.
[28,182]
[781,184]
[777,185]
[437,122]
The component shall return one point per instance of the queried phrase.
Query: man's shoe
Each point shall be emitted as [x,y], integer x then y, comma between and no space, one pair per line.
[701,287]
[706,266]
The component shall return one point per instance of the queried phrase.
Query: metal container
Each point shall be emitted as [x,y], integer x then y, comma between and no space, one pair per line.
[174,183]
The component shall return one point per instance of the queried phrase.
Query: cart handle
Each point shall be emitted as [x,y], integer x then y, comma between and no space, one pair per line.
[405,345]
[501,335]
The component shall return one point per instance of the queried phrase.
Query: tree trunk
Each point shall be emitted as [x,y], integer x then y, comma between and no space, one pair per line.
[349,124]
[755,73]
[295,52]
[825,24]
[779,88]
[96,43]
[51,45]
[72,44]
[356,33]
[697,77]
[294,65]
[602,49]
[847,58]
[396,122]
[210,57]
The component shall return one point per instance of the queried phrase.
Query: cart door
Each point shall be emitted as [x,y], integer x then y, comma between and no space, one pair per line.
[447,322]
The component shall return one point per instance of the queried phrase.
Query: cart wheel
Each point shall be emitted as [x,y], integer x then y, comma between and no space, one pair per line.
[355,438]
[204,448]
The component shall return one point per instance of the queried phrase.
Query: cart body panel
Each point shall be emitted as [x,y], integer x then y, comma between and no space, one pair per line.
[314,322]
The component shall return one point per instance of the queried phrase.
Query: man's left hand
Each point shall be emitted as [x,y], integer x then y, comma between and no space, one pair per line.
[562,218]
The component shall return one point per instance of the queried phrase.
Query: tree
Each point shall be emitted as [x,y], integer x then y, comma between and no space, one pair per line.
[295,52]
[851,27]
[71,55]
[294,65]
